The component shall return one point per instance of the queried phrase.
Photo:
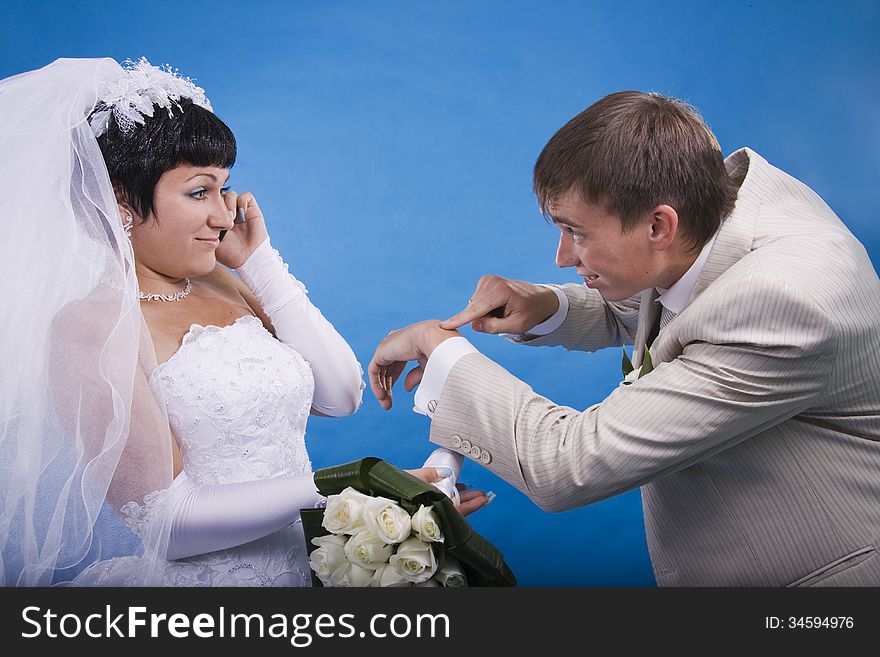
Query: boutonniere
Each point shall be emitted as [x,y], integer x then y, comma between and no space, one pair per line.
[630,373]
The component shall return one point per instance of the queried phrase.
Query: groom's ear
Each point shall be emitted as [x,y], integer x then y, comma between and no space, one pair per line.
[663,227]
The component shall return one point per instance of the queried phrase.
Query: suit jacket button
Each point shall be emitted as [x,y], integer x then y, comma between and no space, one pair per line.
[486,457]
[476,451]
[466,446]
[456,441]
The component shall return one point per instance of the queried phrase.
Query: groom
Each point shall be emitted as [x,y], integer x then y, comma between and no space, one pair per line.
[755,438]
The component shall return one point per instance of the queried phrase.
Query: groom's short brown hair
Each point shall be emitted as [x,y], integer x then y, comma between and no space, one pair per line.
[631,151]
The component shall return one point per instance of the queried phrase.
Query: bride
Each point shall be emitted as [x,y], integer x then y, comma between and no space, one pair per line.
[154,404]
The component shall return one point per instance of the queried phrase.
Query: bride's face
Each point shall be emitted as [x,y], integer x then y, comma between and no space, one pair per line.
[179,238]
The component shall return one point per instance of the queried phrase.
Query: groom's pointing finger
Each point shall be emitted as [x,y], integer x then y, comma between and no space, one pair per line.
[460,319]
[476,310]
[468,314]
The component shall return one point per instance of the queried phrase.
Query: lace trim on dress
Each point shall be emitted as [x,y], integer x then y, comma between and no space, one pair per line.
[197,330]
[140,517]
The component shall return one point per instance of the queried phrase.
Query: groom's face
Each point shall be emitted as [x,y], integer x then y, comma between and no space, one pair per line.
[617,264]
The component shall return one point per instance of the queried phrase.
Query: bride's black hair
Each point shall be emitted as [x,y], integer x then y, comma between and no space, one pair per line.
[136,161]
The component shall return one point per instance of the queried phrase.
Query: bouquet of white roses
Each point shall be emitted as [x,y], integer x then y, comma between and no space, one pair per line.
[373,541]
[384,527]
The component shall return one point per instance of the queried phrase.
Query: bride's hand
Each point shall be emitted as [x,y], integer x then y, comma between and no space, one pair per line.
[470,500]
[239,242]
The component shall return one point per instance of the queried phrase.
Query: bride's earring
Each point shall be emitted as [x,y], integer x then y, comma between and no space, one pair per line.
[129,222]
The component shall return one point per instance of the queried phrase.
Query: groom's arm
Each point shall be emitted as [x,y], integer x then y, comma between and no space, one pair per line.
[585,321]
[571,316]
[729,383]
[582,321]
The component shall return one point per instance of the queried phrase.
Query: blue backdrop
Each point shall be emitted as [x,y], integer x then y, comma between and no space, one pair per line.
[391,145]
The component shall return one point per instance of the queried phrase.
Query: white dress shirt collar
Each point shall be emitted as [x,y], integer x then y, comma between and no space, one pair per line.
[676,297]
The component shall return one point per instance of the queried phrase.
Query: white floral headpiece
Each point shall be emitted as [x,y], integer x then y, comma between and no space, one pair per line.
[131,97]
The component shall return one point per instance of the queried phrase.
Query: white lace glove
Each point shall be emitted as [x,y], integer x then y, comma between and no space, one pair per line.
[209,517]
[338,376]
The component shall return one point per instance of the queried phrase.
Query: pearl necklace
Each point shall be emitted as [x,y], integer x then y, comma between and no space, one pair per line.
[177,296]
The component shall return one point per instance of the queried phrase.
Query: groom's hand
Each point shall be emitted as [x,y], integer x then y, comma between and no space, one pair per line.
[415,342]
[505,305]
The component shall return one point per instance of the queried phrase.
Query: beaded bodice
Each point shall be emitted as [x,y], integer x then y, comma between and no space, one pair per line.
[238,401]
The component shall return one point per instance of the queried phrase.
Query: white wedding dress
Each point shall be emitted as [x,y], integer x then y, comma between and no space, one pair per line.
[238,401]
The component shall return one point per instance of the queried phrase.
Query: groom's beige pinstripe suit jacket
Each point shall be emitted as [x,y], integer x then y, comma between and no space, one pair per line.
[756,439]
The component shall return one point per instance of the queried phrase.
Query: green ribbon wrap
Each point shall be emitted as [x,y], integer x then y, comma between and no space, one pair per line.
[481,561]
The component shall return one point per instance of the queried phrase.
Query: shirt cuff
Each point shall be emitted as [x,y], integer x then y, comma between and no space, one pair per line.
[548,325]
[437,369]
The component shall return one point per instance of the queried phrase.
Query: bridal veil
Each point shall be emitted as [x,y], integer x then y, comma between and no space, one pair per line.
[85,448]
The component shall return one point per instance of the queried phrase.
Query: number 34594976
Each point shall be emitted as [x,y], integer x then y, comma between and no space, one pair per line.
[809,622]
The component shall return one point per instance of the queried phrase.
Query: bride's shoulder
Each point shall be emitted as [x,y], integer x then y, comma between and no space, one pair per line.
[83,319]
[82,331]
[223,280]
[234,288]
[223,283]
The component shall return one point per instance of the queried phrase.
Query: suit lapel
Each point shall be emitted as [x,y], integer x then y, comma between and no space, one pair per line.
[735,239]
[737,233]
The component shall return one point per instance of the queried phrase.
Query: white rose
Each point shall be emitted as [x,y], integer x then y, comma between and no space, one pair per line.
[349,575]
[344,512]
[386,576]
[329,555]
[427,583]
[414,560]
[426,525]
[367,550]
[387,520]
[451,574]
